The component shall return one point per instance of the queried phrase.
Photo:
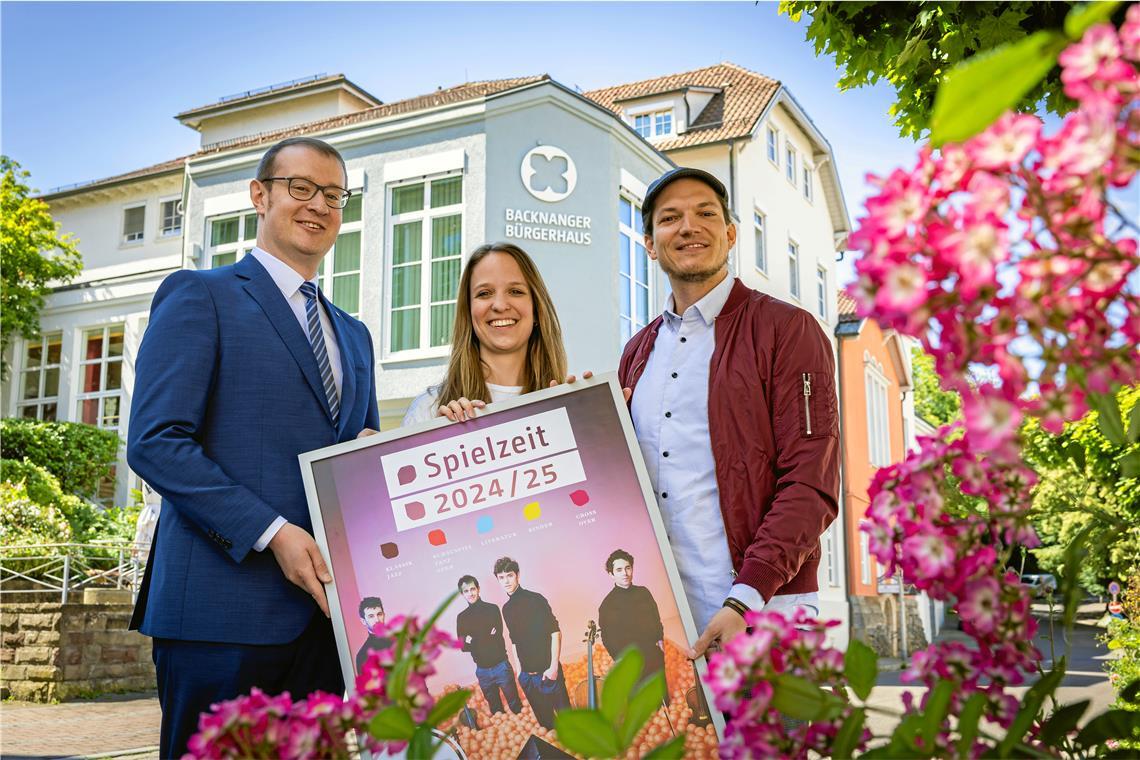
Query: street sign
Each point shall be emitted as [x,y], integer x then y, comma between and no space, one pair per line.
[1116,608]
[1114,588]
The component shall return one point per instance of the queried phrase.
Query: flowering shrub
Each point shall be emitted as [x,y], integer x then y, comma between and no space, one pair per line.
[390,706]
[997,254]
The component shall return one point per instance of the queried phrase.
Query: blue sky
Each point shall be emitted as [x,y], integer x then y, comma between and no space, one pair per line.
[90,89]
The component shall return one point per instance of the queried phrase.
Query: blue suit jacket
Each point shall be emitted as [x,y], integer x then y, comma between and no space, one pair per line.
[227,394]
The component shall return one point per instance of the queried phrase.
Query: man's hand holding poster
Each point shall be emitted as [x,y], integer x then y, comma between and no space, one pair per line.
[540,514]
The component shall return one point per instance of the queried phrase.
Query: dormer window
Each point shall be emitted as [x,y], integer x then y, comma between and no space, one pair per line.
[653,124]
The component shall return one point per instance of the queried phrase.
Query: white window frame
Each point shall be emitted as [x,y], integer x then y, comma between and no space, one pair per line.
[808,183]
[426,214]
[658,118]
[832,558]
[791,160]
[124,240]
[105,360]
[877,389]
[163,231]
[760,240]
[648,133]
[636,240]
[821,292]
[40,400]
[243,245]
[656,115]
[772,147]
[327,272]
[795,287]
[865,574]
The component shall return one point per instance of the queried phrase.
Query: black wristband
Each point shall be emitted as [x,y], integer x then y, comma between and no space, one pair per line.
[737,606]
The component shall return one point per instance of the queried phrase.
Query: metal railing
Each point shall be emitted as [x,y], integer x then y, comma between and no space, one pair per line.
[38,570]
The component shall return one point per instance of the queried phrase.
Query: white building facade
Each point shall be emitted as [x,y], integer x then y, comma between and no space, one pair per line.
[526,160]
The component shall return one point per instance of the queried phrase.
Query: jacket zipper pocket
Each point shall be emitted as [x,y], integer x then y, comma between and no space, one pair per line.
[807,401]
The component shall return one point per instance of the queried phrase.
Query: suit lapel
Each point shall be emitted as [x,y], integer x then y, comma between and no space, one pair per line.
[347,363]
[261,287]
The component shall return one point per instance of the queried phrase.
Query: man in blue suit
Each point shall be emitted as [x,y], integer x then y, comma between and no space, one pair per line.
[243,368]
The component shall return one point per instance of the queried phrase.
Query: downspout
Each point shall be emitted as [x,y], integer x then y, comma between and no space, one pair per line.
[735,199]
[842,512]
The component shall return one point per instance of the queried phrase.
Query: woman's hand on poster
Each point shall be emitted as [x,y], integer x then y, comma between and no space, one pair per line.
[551,673]
[461,410]
[367,432]
[585,376]
[725,625]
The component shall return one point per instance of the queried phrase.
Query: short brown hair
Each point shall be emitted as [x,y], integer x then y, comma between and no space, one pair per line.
[267,169]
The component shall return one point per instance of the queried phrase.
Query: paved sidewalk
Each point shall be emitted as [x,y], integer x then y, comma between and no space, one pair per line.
[120,726]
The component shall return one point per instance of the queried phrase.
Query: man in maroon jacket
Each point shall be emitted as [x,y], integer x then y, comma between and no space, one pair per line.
[733,399]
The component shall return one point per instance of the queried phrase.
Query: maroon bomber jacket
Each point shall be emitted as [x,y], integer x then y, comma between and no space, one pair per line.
[775,435]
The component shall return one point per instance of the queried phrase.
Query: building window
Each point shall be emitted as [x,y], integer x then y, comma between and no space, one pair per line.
[134,220]
[654,124]
[864,558]
[878,419]
[643,125]
[759,225]
[821,292]
[101,377]
[807,183]
[773,146]
[231,238]
[791,157]
[794,269]
[830,553]
[39,382]
[425,228]
[633,265]
[339,273]
[171,217]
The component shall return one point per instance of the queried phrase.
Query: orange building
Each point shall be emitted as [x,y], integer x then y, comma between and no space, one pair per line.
[877,421]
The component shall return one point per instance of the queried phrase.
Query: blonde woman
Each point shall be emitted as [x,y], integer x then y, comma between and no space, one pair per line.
[507,340]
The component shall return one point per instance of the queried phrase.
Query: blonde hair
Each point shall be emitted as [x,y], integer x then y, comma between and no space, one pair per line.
[545,354]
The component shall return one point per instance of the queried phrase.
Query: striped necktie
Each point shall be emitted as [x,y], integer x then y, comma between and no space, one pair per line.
[317,339]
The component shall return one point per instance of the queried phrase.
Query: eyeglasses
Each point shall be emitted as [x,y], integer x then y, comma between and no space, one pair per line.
[303,190]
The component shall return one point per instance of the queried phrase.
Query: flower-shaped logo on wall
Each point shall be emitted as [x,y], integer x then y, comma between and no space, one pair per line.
[548,173]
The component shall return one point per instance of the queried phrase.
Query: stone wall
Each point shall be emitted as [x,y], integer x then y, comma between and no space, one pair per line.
[54,651]
[875,622]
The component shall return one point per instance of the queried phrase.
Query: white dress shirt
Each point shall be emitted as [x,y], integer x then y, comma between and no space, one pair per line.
[671,415]
[289,281]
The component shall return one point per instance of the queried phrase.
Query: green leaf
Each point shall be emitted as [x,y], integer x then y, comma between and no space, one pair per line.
[423,744]
[1076,452]
[1130,462]
[392,724]
[447,706]
[674,749]
[801,699]
[587,733]
[861,667]
[1081,17]
[937,705]
[619,683]
[968,720]
[1131,693]
[646,700]
[1112,724]
[849,734]
[976,92]
[1063,720]
[1134,423]
[1030,705]
[1108,417]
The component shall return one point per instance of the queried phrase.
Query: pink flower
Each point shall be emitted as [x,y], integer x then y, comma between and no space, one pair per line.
[933,553]
[980,607]
[904,288]
[1005,142]
[1130,34]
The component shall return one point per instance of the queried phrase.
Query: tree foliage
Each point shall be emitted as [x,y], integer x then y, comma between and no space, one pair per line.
[913,45]
[77,455]
[1082,482]
[32,254]
[932,402]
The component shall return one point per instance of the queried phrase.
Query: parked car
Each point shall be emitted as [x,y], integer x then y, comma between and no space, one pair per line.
[1039,584]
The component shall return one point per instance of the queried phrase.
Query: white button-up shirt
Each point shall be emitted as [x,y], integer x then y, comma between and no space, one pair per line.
[289,282]
[671,415]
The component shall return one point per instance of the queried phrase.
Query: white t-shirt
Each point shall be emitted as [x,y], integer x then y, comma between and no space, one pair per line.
[425,406]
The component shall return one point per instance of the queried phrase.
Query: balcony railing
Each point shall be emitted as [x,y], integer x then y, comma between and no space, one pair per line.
[39,571]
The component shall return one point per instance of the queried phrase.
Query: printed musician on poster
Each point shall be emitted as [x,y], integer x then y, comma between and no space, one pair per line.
[540,514]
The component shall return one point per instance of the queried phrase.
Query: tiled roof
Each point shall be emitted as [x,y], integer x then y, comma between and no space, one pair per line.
[847,308]
[732,113]
[274,91]
[165,167]
[441,97]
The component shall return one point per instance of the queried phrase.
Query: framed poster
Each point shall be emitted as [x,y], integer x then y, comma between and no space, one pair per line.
[541,514]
